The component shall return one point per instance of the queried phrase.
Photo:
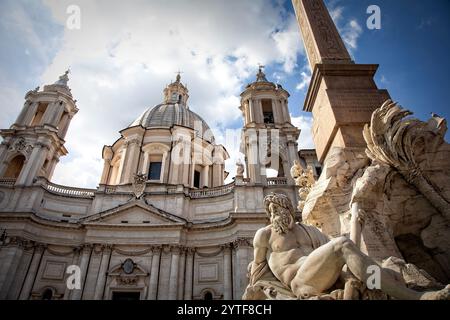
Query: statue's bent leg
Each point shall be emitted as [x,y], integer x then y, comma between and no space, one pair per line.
[319,271]
[358,263]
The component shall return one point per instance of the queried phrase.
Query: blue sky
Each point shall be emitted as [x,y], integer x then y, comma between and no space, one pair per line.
[126,52]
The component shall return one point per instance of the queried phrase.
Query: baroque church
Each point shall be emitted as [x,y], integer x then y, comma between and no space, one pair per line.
[162,223]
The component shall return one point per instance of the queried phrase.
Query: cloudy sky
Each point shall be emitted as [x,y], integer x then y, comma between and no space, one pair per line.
[126,52]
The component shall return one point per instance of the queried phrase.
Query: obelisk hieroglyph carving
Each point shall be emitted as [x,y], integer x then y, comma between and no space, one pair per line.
[342,94]
[322,40]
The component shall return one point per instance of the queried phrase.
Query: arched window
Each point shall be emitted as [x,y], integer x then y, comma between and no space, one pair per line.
[47,295]
[15,167]
[207,296]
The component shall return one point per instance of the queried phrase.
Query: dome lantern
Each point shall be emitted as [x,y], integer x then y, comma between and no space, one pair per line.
[176,92]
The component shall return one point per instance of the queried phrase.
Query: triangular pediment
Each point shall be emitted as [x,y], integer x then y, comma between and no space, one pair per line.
[135,212]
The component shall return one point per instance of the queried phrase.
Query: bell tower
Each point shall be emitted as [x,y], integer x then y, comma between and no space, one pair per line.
[269,140]
[32,146]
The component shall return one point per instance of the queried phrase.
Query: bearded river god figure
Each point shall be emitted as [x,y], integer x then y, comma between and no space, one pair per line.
[296,261]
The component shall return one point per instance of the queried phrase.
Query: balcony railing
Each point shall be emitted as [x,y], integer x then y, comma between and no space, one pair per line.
[212,192]
[68,191]
[280,181]
[9,182]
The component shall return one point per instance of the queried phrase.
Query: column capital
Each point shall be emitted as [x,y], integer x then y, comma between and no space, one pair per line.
[156,249]
[40,247]
[190,250]
[86,248]
[227,247]
[175,249]
[242,243]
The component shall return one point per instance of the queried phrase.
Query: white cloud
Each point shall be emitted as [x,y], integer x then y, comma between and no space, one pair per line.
[305,80]
[350,33]
[122,59]
[289,44]
[305,140]
[350,30]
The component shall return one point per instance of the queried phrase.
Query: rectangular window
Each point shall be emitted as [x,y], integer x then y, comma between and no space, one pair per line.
[267,110]
[154,173]
[196,179]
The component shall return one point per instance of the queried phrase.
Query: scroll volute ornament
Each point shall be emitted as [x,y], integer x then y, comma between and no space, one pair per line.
[404,143]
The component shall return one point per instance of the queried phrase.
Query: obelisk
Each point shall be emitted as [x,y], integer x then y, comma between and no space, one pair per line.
[342,94]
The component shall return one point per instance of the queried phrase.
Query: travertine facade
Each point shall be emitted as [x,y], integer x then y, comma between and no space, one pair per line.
[155,227]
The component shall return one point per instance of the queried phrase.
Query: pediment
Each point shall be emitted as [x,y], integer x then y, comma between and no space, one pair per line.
[134,213]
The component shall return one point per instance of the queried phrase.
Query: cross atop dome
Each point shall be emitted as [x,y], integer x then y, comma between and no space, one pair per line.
[63,79]
[261,76]
[178,79]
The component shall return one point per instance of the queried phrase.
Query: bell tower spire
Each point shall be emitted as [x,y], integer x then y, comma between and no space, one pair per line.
[269,139]
[33,145]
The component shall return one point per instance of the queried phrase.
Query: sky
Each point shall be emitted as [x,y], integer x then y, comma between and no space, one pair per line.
[126,52]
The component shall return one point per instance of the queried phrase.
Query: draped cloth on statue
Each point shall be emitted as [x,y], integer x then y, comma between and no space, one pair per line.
[263,284]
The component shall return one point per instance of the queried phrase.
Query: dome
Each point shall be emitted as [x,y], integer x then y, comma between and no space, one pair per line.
[170,114]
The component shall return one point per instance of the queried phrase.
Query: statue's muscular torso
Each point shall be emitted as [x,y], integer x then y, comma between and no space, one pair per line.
[285,252]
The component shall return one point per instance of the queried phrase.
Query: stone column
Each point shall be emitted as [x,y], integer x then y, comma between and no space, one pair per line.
[259,111]
[52,167]
[33,164]
[227,282]
[57,114]
[123,160]
[30,113]
[173,280]
[154,274]
[240,267]
[49,113]
[216,175]
[4,145]
[32,272]
[101,280]
[105,172]
[190,252]
[181,273]
[205,177]
[84,263]
[10,258]
[285,107]
[129,161]
[65,126]
[277,112]
[62,125]
[253,164]
[251,111]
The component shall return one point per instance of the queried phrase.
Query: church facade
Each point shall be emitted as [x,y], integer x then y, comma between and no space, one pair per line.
[162,223]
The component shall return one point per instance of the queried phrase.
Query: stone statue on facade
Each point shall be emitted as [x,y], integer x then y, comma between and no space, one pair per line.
[297,261]
[304,179]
